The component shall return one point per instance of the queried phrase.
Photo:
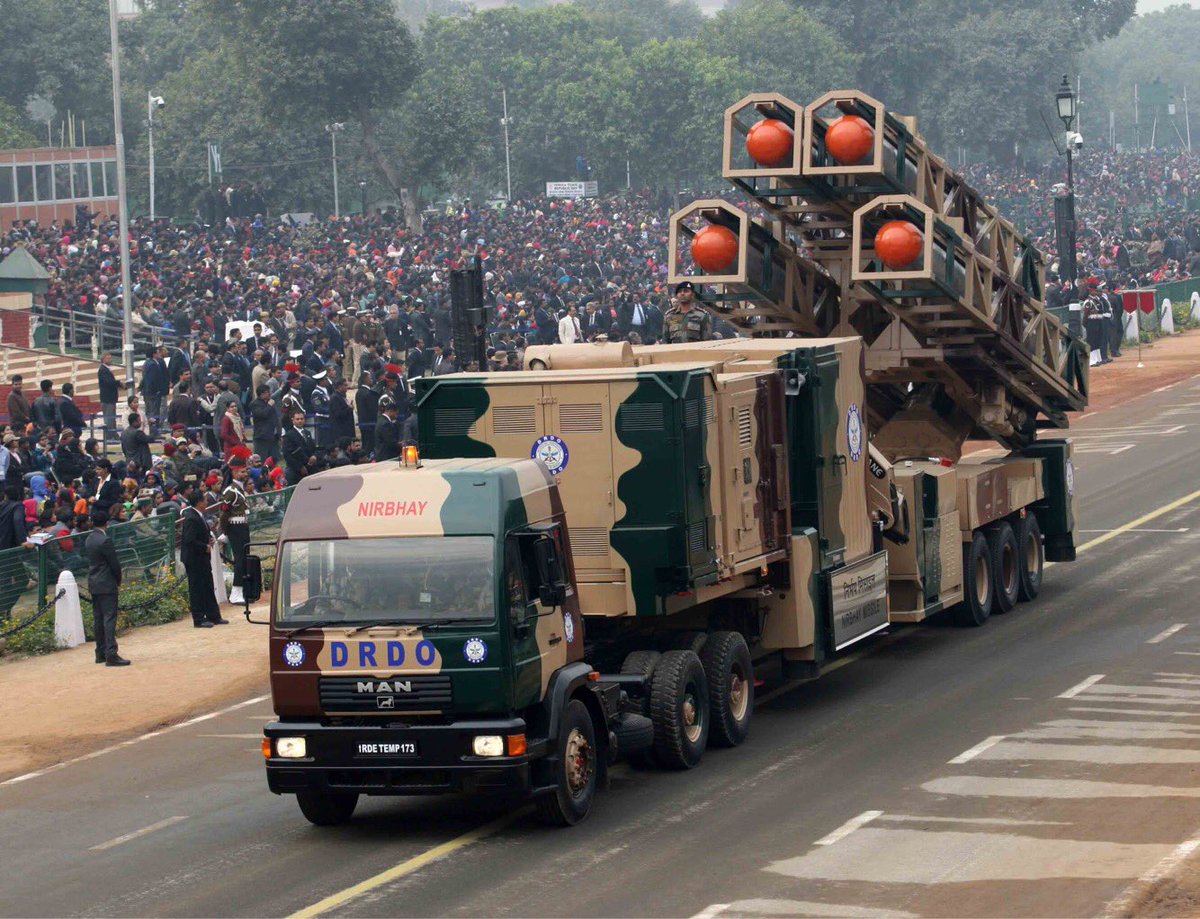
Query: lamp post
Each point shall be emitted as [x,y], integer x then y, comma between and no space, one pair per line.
[362,191]
[506,121]
[152,102]
[122,201]
[1066,103]
[332,130]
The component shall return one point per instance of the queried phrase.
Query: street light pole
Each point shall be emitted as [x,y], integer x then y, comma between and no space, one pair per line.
[507,159]
[122,201]
[333,133]
[1066,103]
[152,101]
[362,190]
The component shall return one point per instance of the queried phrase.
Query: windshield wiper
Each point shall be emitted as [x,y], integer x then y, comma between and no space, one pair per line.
[320,624]
[479,620]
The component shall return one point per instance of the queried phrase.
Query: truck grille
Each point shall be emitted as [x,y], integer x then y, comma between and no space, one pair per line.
[429,693]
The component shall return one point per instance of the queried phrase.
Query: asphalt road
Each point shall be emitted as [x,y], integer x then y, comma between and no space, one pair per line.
[1038,765]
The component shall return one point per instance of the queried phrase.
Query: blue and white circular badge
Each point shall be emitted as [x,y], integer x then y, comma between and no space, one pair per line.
[475,650]
[552,451]
[569,626]
[854,432]
[1070,479]
[293,654]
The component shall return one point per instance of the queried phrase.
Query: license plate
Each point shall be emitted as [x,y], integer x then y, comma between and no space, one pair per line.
[387,748]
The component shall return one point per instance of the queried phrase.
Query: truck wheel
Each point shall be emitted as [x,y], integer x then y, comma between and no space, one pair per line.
[1006,565]
[1032,555]
[978,587]
[635,735]
[641,663]
[327,808]
[679,710]
[575,780]
[730,674]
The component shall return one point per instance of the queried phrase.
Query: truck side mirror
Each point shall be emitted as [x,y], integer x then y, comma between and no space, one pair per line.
[251,578]
[552,588]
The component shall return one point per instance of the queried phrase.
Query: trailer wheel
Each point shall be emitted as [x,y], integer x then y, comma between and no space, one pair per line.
[679,710]
[642,663]
[730,673]
[1006,565]
[1033,557]
[978,586]
[327,808]
[575,770]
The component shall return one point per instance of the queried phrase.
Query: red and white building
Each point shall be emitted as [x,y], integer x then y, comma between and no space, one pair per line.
[46,183]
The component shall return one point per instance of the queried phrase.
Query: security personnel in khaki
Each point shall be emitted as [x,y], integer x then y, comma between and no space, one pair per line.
[687,320]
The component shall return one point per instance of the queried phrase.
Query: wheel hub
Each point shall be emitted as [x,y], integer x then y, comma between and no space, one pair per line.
[578,762]
[691,718]
[739,695]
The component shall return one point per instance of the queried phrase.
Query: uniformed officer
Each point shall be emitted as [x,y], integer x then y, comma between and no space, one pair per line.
[687,320]
[235,521]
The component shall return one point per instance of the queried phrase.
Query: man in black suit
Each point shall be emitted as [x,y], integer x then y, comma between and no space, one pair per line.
[135,443]
[366,400]
[179,362]
[156,384]
[68,411]
[299,451]
[265,418]
[387,432]
[104,580]
[45,408]
[341,415]
[110,395]
[194,545]
[108,488]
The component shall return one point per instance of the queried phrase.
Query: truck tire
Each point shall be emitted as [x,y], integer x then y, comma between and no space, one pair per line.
[978,585]
[635,735]
[327,808]
[1006,565]
[1032,554]
[575,771]
[730,673]
[641,663]
[679,710]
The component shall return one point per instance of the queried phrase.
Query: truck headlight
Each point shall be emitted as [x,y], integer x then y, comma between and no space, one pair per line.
[488,745]
[291,747]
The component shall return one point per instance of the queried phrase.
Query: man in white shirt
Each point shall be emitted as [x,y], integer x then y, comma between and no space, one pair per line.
[569,331]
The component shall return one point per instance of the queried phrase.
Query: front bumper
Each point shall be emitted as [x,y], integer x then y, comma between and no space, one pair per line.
[443,762]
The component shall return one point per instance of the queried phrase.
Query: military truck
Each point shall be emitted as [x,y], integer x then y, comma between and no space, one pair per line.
[601,555]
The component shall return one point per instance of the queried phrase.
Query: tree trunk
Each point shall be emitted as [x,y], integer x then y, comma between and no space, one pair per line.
[384,165]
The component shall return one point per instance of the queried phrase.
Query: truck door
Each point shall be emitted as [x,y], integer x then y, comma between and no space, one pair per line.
[539,634]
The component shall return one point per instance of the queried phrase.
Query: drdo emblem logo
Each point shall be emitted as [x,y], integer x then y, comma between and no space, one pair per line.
[569,627]
[293,654]
[552,451]
[475,650]
[854,432]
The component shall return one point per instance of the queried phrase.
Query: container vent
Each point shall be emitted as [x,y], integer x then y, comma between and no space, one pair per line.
[589,541]
[581,418]
[743,423]
[697,537]
[453,422]
[697,412]
[514,419]
[641,416]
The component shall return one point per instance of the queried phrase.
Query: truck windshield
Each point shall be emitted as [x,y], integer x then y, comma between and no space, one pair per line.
[417,580]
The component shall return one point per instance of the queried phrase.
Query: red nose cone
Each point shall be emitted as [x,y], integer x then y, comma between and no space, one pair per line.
[770,143]
[849,140]
[715,249]
[899,244]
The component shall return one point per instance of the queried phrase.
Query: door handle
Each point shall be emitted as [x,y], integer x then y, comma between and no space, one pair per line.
[554,640]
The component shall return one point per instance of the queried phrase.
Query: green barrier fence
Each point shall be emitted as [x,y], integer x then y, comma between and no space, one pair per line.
[146,548]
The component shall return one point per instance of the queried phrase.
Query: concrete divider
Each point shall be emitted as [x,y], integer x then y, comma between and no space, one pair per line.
[68,614]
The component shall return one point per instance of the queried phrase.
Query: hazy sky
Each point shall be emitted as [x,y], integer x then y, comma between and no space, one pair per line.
[1149,6]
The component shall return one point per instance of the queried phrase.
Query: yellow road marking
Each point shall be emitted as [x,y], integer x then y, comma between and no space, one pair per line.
[490,829]
[407,867]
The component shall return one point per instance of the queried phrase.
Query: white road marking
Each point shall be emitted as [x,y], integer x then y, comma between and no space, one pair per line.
[982,786]
[1117,689]
[904,856]
[967,755]
[1072,729]
[1189,653]
[1123,904]
[713,909]
[128,743]
[848,827]
[985,821]
[760,908]
[1102,447]
[1080,687]
[1167,633]
[1100,754]
[162,824]
[236,736]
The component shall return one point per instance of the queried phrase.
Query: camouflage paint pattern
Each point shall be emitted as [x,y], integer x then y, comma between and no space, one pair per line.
[439,498]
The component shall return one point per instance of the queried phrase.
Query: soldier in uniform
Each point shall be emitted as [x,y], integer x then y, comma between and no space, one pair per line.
[687,320]
[235,520]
